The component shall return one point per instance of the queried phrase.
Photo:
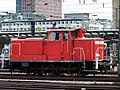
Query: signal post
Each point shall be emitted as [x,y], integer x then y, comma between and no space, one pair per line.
[119,48]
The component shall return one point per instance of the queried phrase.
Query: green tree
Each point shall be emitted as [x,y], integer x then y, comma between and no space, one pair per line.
[39,29]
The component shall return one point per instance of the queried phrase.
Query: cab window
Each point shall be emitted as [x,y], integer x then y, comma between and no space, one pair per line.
[65,36]
[74,35]
[54,36]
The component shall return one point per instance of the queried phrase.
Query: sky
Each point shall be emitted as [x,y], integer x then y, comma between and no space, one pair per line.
[99,9]
[7,5]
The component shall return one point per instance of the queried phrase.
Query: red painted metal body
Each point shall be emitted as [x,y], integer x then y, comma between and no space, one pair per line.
[66,45]
[86,49]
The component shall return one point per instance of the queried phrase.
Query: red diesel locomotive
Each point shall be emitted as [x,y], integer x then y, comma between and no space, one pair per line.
[63,51]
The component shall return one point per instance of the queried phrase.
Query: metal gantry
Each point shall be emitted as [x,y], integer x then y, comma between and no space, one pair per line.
[109,35]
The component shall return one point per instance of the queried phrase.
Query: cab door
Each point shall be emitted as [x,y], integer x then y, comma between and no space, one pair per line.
[65,47]
[54,46]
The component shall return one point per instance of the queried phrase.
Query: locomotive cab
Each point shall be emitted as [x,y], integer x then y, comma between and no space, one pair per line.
[56,34]
[60,43]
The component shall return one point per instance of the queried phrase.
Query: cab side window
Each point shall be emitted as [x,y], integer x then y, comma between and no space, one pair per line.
[65,36]
[54,36]
[74,35]
[57,36]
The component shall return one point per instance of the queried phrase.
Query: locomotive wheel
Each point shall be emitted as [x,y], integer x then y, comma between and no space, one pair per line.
[74,69]
[47,69]
[36,71]
[58,70]
[33,70]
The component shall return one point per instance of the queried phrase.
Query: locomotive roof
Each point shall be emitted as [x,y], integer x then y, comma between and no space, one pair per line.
[61,30]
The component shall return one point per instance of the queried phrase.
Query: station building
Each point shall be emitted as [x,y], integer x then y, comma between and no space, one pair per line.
[25,25]
[49,8]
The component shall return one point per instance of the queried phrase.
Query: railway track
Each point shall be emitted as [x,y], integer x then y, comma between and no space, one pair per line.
[47,85]
[90,77]
[18,81]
